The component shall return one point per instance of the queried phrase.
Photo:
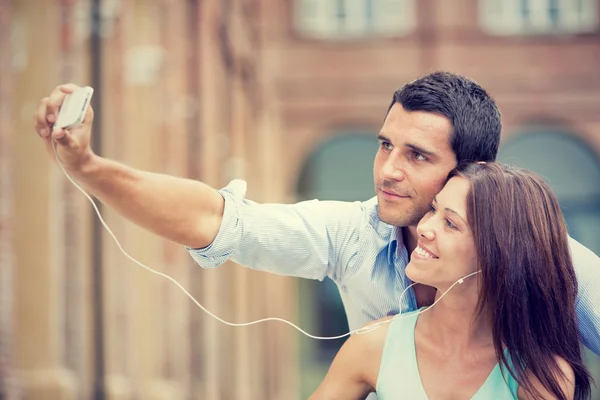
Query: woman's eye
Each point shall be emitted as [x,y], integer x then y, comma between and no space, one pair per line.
[450,224]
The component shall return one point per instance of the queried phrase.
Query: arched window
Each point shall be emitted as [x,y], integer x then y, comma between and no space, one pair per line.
[339,169]
[573,171]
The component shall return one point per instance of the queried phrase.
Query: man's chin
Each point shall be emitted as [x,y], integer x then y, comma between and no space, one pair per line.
[396,219]
[391,219]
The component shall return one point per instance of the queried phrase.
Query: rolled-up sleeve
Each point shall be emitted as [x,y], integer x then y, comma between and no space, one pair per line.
[311,239]
[225,243]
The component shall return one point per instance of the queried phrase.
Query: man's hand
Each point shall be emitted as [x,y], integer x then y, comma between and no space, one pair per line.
[73,145]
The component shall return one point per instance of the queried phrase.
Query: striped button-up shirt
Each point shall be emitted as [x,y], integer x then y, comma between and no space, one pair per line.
[348,243]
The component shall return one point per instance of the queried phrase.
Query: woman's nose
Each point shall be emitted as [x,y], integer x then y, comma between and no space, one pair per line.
[425,229]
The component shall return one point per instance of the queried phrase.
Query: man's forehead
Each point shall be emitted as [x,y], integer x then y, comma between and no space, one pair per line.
[425,119]
[421,128]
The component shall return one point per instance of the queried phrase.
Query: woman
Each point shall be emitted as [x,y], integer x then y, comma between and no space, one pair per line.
[495,235]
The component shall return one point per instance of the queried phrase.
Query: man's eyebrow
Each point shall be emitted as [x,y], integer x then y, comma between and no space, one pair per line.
[383,138]
[451,211]
[421,150]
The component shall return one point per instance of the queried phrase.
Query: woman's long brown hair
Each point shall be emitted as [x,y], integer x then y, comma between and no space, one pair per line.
[528,284]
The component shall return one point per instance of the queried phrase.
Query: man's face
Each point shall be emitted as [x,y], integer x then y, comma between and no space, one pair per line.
[412,163]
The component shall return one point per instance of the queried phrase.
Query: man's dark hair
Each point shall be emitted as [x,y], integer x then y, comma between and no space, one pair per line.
[475,118]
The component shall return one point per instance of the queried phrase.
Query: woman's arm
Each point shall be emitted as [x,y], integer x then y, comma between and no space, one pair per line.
[346,376]
[353,373]
[566,381]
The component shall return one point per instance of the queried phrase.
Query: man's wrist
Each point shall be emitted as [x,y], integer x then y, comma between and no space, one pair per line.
[87,165]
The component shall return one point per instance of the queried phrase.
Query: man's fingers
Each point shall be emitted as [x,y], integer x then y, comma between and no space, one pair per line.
[56,99]
[61,136]
[89,115]
[68,88]
[47,114]
[54,102]
[41,123]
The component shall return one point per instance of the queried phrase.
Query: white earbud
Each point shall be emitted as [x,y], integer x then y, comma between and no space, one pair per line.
[461,280]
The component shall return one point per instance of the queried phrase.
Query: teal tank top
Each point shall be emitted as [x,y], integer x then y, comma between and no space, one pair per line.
[399,374]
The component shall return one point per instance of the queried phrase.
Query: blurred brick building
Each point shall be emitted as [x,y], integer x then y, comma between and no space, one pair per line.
[287,94]
[180,89]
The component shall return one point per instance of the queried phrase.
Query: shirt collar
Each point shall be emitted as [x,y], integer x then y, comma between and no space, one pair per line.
[396,239]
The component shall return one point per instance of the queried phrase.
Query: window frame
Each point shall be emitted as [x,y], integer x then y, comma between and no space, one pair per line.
[408,23]
[511,21]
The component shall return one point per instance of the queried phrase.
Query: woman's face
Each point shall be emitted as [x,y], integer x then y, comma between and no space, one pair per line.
[446,249]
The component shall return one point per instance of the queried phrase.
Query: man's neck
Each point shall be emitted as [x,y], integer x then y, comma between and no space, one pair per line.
[425,295]
[410,238]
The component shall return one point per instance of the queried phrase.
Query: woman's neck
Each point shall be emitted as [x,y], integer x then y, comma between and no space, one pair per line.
[454,324]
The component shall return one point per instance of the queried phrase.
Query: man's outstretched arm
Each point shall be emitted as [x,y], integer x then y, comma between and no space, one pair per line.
[182,210]
[310,239]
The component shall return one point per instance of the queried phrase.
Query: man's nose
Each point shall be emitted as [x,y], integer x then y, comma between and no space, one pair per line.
[391,169]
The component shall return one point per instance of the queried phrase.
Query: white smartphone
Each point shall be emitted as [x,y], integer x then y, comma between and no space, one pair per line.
[74,107]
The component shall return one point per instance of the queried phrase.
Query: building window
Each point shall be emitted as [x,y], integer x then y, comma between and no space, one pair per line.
[352,19]
[522,17]
[547,150]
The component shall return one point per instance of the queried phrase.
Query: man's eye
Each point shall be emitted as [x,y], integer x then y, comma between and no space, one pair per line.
[419,156]
[386,145]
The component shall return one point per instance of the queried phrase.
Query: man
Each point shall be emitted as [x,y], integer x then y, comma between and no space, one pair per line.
[432,124]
